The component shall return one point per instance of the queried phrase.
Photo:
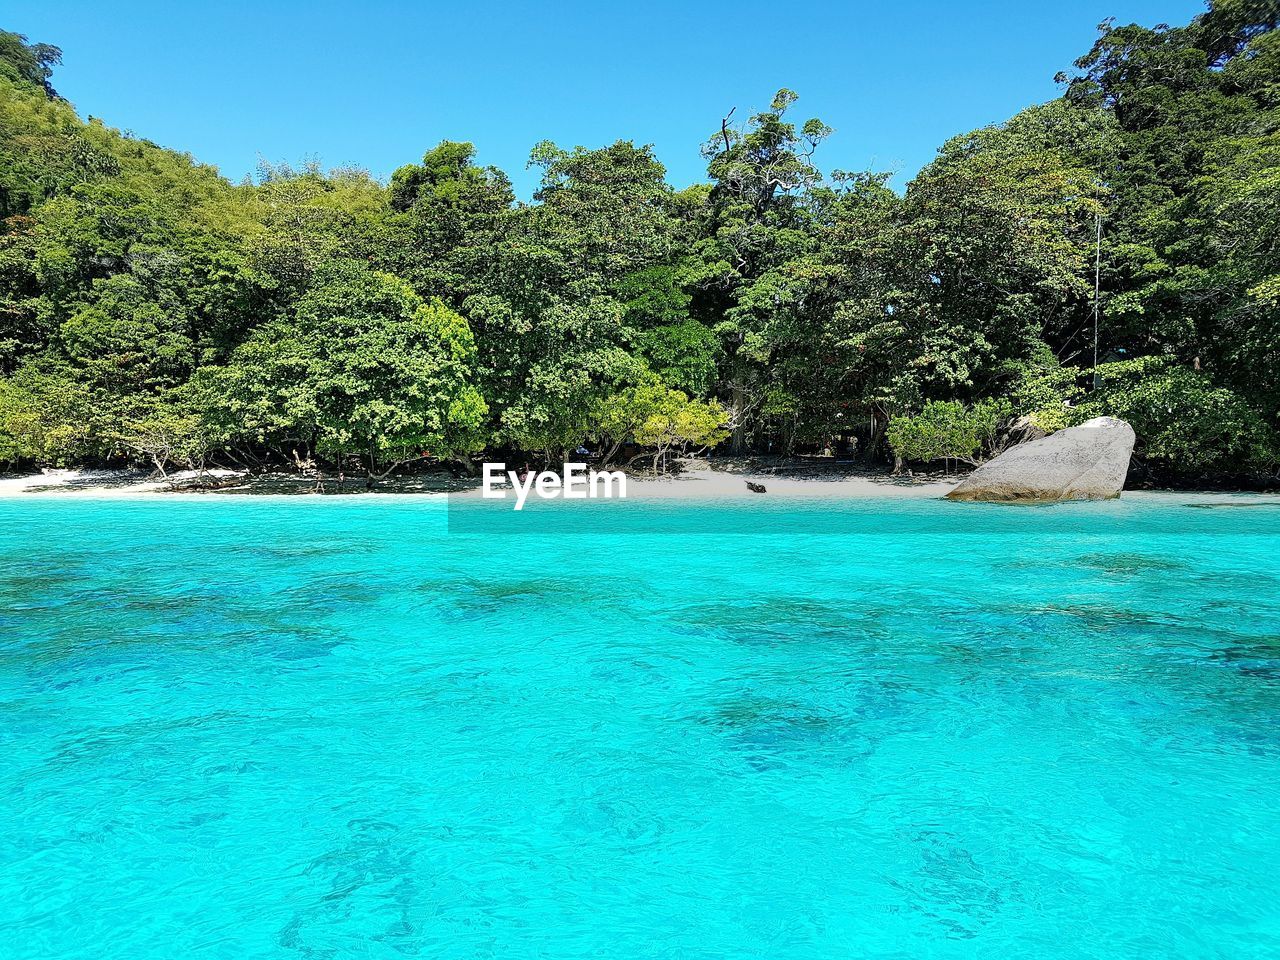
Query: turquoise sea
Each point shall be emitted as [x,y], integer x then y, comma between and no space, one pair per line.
[346,727]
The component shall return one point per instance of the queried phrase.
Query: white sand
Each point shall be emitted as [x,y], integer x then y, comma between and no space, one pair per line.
[716,484]
[696,484]
[97,483]
[699,482]
[720,485]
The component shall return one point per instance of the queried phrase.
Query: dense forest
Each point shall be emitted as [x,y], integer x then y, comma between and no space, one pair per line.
[152,311]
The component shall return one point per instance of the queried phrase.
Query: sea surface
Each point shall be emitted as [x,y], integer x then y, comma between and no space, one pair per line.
[356,727]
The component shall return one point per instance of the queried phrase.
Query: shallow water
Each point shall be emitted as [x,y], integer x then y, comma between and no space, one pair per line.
[331,728]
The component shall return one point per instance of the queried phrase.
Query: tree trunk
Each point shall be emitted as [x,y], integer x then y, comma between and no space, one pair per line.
[738,440]
[879,424]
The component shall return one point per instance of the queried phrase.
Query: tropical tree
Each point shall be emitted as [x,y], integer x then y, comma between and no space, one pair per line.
[944,430]
[365,369]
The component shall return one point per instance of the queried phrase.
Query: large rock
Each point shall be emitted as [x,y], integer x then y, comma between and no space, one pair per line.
[1088,462]
[1021,430]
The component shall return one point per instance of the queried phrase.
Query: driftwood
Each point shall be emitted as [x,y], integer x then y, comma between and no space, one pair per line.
[207,484]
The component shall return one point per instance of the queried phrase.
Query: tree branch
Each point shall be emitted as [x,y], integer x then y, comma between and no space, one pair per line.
[724,127]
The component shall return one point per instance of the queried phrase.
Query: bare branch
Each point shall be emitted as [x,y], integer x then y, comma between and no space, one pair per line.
[724,127]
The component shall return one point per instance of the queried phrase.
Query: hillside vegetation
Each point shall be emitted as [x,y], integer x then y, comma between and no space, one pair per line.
[153,311]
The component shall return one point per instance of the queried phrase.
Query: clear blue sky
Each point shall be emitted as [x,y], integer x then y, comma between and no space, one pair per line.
[376,83]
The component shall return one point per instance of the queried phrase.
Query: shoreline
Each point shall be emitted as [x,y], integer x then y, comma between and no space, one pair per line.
[701,483]
[696,484]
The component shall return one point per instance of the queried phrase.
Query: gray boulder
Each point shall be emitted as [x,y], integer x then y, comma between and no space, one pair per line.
[1021,430]
[1088,462]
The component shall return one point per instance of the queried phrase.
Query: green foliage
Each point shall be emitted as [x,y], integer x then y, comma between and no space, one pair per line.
[449,221]
[165,434]
[945,430]
[1045,392]
[654,296]
[1183,421]
[677,420]
[46,418]
[31,63]
[21,433]
[655,415]
[683,354]
[557,410]
[366,368]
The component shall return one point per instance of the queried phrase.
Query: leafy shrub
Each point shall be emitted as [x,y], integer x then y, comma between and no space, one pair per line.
[946,430]
[1045,391]
[683,354]
[1183,421]
[656,416]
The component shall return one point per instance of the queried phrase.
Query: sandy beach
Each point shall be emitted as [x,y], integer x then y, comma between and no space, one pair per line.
[712,484]
[697,480]
[101,483]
